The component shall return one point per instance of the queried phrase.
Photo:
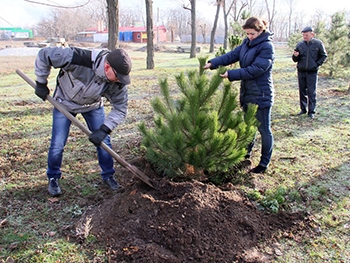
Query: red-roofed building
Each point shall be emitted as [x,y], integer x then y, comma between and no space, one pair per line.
[137,34]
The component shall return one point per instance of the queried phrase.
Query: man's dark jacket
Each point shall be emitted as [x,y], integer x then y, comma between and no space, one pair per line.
[312,54]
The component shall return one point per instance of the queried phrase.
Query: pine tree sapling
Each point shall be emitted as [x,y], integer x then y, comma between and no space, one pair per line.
[337,44]
[234,41]
[203,131]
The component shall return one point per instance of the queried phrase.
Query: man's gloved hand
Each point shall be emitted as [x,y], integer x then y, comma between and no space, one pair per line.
[41,90]
[96,137]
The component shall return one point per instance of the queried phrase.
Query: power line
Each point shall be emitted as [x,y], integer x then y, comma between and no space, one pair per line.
[58,6]
[6,21]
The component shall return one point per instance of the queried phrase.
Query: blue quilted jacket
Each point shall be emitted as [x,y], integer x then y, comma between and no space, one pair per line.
[256,59]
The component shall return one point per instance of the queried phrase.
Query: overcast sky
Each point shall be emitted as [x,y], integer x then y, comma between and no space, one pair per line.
[20,13]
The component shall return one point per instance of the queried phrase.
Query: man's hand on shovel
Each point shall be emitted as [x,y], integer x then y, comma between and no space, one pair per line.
[41,90]
[96,137]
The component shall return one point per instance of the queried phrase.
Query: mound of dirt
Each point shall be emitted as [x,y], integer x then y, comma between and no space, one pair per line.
[157,48]
[185,222]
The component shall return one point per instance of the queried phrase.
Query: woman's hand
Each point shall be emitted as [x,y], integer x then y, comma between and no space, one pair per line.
[225,75]
[208,65]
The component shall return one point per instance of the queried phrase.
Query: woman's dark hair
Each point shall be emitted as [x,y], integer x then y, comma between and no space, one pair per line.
[255,23]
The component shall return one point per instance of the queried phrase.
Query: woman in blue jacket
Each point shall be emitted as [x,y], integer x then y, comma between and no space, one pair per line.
[256,58]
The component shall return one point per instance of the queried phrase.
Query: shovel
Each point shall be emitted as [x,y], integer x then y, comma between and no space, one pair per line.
[143,177]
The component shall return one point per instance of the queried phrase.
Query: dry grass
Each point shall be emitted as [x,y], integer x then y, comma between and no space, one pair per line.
[311,159]
[8,65]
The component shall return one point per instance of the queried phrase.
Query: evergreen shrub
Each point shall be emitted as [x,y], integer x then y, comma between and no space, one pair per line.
[201,134]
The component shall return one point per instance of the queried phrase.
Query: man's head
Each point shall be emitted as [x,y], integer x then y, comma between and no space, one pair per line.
[119,63]
[308,33]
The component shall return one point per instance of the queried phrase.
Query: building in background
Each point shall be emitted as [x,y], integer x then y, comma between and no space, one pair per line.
[15,33]
[136,34]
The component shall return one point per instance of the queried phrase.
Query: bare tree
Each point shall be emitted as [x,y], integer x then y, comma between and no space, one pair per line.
[281,28]
[237,10]
[66,20]
[203,31]
[213,30]
[95,11]
[113,23]
[177,20]
[252,6]
[44,28]
[192,8]
[291,4]
[150,34]
[63,23]
[226,13]
[128,17]
[271,12]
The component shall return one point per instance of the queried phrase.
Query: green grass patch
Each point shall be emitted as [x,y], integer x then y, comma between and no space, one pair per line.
[310,168]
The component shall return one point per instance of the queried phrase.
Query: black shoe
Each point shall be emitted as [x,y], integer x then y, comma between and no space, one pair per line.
[258,169]
[54,188]
[312,116]
[112,183]
[301,113]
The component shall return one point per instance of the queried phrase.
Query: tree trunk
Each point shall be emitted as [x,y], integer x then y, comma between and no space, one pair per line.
[290,15]
[204,32]
[193,29]
[213,30]
[271,12]
[150,34]
[113,23]
[226,13]
[225,25]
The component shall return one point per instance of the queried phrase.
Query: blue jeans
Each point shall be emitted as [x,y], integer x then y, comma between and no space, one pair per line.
[60,130]
[267,141]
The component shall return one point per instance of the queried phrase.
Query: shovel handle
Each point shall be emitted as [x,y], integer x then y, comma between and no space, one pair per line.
[80,125]
[56,104]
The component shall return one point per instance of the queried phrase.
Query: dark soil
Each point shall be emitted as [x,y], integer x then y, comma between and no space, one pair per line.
[185,222]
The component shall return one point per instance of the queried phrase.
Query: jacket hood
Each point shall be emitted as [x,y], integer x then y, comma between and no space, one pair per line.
[264,36]
[98,64]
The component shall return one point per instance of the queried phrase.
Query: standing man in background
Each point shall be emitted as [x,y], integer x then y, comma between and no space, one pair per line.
[309,54]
